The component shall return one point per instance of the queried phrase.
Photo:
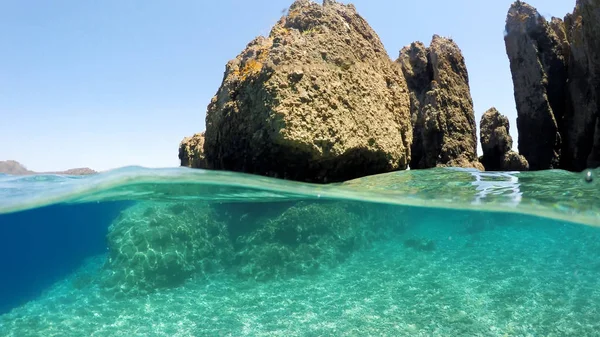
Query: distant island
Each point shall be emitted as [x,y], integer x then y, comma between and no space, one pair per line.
[16,168]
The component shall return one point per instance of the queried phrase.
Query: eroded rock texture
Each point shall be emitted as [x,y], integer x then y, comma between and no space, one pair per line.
[497,143]
[191,151]
[539,76]
[317,100]
[555,67]
[582,123]
[444,130]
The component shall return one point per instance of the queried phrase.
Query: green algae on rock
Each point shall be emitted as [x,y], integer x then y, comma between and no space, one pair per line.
[317,100]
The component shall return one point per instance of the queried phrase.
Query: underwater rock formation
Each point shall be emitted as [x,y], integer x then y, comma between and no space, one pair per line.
[304,238]
[191,151]
[444,129]
[317,100]
[555,68]
[155,245]
[496,143]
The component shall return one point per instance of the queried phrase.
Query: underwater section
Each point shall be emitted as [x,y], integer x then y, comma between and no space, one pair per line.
[41,246]
[236,255]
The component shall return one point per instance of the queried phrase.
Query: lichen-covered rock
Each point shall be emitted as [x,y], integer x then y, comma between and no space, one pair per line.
[538,67]
[317,100]
[497,143]
[191,151]
[161,244]
[444,130]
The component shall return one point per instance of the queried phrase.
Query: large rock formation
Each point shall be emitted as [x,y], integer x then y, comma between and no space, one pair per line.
[443,119]
[317,100]
[556,73]
[582,120]
[496,143]
[154,245]
[538,70]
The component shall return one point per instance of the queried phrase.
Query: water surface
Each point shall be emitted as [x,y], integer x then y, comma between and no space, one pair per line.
[180,252]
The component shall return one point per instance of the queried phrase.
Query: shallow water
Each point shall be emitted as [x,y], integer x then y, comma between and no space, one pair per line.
[180,252]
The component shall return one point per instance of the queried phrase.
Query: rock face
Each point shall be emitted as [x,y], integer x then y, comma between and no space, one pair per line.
[497,143]
[317,100]
[539,76]
[555,67]
[582,121]
[191,151]
[444,130]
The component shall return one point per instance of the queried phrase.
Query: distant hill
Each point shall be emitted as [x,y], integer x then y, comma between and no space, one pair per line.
[16,168]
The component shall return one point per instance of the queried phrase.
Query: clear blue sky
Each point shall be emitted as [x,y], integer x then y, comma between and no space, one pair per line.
[111,83]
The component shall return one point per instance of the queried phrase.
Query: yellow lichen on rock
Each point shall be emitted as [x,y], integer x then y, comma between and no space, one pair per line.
[317,100]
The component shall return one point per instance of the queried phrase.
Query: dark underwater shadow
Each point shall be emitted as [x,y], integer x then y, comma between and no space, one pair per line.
[39,247]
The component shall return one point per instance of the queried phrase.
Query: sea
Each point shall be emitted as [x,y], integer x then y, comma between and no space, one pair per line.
[182,252]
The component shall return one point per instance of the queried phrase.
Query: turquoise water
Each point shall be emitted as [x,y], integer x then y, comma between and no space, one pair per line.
[180,252]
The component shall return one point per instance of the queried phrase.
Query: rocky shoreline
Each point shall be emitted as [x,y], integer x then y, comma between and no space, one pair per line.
[320,100]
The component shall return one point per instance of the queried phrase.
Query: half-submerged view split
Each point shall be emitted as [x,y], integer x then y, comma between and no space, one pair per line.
[334,192]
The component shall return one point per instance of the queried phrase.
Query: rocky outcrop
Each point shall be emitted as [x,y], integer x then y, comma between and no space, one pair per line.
[555,67]
[444,130]
[539,76]
[582,121]
[317,100]
[497,143]
[191,151]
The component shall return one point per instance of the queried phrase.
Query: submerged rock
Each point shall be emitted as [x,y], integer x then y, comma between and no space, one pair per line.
[317,100]
[161,244]
[538,68]
[154,245]
[444,129]
[304,238]
[191,151]
[497,143]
